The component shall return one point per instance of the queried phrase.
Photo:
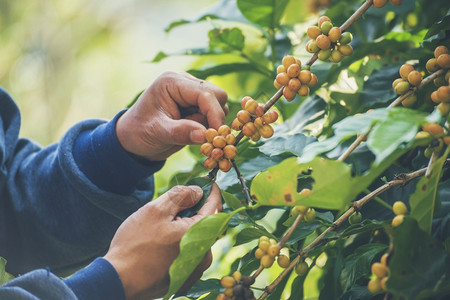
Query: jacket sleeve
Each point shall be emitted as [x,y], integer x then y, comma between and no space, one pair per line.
[61,205]
[99,280]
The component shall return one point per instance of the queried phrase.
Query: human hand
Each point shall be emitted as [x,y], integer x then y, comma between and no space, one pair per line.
[171,113]
[147,242]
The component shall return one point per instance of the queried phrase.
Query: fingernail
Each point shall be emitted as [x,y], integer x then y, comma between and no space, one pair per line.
[198,136]
[197,189]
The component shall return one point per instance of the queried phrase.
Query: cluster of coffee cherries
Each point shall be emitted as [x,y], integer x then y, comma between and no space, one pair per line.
[268,249]
[381,272]
[400,210]
[219,148]
[381,3]
[237,287]
[432,130]
[295,78]
[408,79]
[253,121]
[309,213]
[328,41]
[441,96]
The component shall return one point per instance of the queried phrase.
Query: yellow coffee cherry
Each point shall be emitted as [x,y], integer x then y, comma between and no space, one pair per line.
[374,286]
[399,208]
[259,253]
[227,281]
[273,250]
[264,245]
[397,220]
[379,270]
[267,261]
[237,276]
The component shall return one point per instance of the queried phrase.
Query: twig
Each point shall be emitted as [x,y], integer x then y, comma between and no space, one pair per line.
[274,99]
[357,205]
[394,103]
[241,179]
[356,15]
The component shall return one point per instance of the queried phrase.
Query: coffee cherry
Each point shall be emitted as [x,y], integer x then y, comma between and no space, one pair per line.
[399,208]
[355,218]
[346,50]
[310,215]
[267,261]
[281,69]
[434,97]
[323,41]
[224,130]
[230,151]
[301,268]
[270,117]
[432,65]
[325,27]
[237,276]
[428,152]
[221,297]
[379,270]
[440,50]
[383,283]
[443,93]
[313,32]
[258,122]
[259,253]
[219,141]
[266,131]
[244,101]
[402,87]
[243,116]
[276,84]
[313,80]
[325,54]
[259,112]
[210,163]
[236,125]
[336,56]
[238,290]
[312,46]
[228,292]
[440,81]
[396,2]
[334,34]
[323,19]
[216,153]
[247,281]
[293,70]
[282,78]
[444,61]
[251,106]
[227,281]
[294,84]
[433,129]
[379,3]
[396,81]
[273,250]
[301,209]
[249,129]
[206,149]
[404,71]
[305,192]
[210,134]
[409,101]
[444,108]
[305,76]
[374,286]
[303,91]
[264,245]
[289,94]
[346,38]
[230,139]
[397,220]
[224,165]
[414,77]
[255,137]
[446,140]
[288,60]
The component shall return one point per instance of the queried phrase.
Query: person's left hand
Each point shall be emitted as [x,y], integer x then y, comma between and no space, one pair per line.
[171,113]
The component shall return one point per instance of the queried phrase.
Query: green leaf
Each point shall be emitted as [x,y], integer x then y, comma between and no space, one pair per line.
[419,262]
[266,13]
[281,143]
[4,276]
[423,201]
[203,287]
[196,242]
[357,265]
[231,201]
[226,39]
[182,22]
[205,184]
[249,234]
[223,69]
[443,24]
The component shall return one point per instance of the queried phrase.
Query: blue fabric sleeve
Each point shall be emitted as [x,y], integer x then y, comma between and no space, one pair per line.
[99,280]
[103,160]
[57,208]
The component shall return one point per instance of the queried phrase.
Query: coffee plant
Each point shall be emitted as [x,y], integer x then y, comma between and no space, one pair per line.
[339,144]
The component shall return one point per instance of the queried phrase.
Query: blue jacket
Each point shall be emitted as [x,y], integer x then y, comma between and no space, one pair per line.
[61,205]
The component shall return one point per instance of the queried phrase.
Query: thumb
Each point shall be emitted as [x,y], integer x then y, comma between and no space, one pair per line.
[185,132]
[177,199]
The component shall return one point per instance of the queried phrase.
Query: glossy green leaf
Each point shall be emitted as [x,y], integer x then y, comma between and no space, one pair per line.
[232,201]
[4,276]
[226,39]
[202,288]
[205,184]
[443,24]
[282,143]
[419,262]
[266,13]
[249,234]
[196,242]
[423,201]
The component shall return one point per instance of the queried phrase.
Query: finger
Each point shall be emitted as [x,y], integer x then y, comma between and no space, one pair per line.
[183,132]
[218,92]
[197,117]
[177,199]
[212,205]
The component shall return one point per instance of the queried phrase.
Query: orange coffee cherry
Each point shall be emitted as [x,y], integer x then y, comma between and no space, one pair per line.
[210,163]
[243,116]
[293,70]
[440,50]
[414,77]
[433,128]
[334,34]
[224,130]
[210,134]
[379,3]
[323,19]
[289,94]
[379,270]
[282,78]
[244,101]
[249,129]
[444,61]
[432,65]
[236,125]
[219,141]
[443,93]
[259,110]
[230,151]
[313,32]
[294,84]
[288,60]
[276,84]
[206,149]
[281,69]
[216,154]
[266,131]
[251,106]
[313,80]
[224,165]
[230,139]
[258,122]
[305,76]
[303,91]
[267,261]
[227,281]
[323,42]
[270,117]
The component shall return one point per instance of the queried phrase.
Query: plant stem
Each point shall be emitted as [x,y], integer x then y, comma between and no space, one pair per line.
[357,205]
[396,102]
[241,179]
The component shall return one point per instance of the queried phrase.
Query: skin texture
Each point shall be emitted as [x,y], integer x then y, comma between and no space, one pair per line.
[174,111]
[142,255]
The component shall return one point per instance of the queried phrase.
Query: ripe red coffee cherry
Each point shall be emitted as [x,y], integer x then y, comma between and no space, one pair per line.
[210,134]
[379,3]
[206,149]
[224,130]
[230,151]
[216,154]
[243,116]
[219,141]
[224,165]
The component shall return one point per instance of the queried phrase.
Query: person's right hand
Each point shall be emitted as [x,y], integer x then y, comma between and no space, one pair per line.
[147,243]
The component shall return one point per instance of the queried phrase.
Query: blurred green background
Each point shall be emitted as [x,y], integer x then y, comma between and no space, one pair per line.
[64,61]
